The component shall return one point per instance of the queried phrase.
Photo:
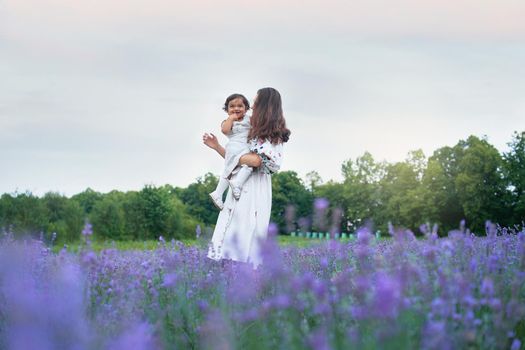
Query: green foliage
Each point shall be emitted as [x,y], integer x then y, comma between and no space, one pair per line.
[65,217]
[313,179]
[337,194]
[514,166]
[288,191]
[147,214]
[158,210]
[108,217]
[197,201]
[479,182]
[360,193]
[470,180]
[23,213]
[400,195]
[88,199]
[439,183]
[143,215]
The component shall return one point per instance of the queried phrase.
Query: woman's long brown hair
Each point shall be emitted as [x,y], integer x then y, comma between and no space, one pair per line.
[267,119]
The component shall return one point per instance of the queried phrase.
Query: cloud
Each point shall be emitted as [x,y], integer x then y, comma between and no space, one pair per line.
[378,18]
[114,94]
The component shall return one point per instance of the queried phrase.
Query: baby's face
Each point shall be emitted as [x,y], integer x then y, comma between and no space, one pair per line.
[236,106]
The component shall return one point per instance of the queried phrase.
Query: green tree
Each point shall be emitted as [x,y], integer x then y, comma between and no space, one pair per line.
[87,200]
[400,196]
[438,207]
[514,163]
[480,183]
[152,212]
[289,190]
[24,213]
[160,218]
[440,181]
[108,217]
[197,200]
[334,192]
[65,217]
[361,200]
[313,179]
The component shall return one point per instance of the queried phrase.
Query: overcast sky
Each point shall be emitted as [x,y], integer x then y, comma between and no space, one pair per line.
[116,94]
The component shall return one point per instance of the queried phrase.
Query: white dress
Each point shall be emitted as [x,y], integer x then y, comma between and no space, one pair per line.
[242,225]
[237,145]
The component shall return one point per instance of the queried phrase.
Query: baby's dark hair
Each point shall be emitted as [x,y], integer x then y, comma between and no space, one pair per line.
[233,97]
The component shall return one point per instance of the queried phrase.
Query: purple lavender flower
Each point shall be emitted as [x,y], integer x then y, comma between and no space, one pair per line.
[436,336]
[282,301]
[170,280]
[337,216]
[321,204]
[203,305]
[391,230]
[88,229]
[487,287]
[320,211]
[462,226]
[139,337]
[387,296]
[364,235]
[516,345]
[319,340]
[304,224]
[64,300]
[289,215]
[319,288]
[198,231]
[273,229]
[490,229]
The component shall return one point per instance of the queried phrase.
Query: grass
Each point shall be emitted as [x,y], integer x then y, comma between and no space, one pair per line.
[98,244]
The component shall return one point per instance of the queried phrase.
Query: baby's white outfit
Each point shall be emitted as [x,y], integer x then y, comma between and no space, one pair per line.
[237,145]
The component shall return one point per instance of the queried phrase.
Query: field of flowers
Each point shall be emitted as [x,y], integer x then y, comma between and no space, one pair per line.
[458,292]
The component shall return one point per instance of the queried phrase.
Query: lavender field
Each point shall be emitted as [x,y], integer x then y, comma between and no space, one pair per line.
[458,292]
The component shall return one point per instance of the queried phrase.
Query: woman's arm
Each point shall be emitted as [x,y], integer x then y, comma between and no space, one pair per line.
[211,141]
[270,156]
[251,159]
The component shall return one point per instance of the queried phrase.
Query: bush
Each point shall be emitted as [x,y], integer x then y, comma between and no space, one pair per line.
[65,217]
[23,213]
[108,219]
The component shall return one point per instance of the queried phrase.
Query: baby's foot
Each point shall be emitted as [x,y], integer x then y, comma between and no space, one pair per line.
[236,189]
[216,200]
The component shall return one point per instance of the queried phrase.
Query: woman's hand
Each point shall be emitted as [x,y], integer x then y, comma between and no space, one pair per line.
[210,140]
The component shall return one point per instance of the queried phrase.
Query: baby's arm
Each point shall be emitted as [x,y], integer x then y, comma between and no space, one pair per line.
[211,141]
[226,126]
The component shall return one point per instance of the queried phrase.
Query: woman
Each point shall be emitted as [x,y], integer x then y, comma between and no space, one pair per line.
[242,225]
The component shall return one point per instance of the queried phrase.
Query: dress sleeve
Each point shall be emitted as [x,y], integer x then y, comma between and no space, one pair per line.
[271,155]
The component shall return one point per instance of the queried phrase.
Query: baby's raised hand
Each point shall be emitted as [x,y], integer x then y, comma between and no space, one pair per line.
[235,116]
[210,140]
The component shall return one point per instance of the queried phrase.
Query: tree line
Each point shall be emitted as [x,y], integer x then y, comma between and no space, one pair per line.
[469,181]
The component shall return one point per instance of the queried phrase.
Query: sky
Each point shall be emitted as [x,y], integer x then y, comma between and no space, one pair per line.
[116,94]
